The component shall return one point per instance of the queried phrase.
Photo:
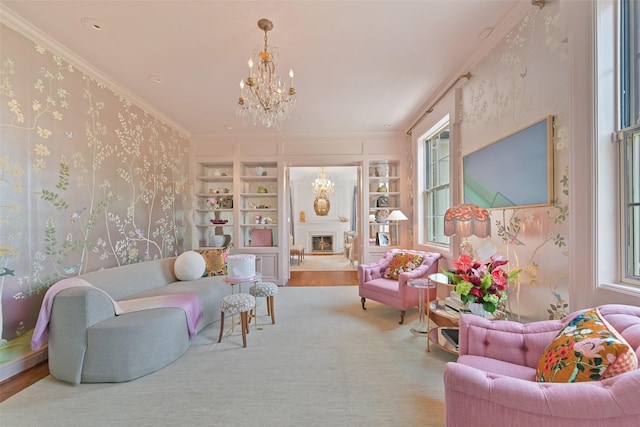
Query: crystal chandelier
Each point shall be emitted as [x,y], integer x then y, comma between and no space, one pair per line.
[322,186]
[266,99]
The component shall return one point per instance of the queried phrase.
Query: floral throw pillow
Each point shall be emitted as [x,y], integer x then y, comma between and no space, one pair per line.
[587,349]
[216,262]
[402,262]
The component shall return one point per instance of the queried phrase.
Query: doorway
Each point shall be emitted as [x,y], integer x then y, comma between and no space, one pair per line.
[323,236]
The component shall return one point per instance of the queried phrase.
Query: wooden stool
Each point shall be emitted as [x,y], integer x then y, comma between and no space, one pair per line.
[240,304]
[267,290]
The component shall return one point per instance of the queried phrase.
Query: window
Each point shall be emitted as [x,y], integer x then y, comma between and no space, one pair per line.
[436,186]
[629,114]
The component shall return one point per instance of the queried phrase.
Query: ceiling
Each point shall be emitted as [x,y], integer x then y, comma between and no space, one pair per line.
[360,66]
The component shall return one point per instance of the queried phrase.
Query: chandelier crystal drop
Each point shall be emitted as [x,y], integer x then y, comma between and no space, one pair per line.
[322,186]
[264,97]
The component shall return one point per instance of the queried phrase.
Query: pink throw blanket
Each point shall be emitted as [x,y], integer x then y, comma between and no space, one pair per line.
[188,302]
[41,331]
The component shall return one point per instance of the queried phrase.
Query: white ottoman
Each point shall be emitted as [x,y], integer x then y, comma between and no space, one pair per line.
[267,290]
[240,304]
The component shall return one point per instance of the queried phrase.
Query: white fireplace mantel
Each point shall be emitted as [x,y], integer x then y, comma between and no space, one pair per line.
[304,231]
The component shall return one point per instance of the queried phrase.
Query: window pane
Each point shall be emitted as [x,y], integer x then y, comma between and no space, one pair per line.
[632,203]
[437,203]
[436,194]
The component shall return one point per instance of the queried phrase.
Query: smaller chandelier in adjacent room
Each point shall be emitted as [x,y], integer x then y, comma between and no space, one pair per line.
[264,97]
[322,186]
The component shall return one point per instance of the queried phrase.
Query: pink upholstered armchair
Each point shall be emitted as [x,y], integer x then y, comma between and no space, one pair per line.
[395,293]
[493,381]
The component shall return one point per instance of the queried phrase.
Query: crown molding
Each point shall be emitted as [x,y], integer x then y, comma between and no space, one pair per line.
[28,30]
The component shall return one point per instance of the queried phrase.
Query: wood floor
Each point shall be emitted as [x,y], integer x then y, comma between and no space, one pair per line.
[19,382]
[323,278]
[13,385]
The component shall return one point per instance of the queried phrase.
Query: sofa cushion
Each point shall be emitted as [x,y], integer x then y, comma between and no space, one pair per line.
[587,349]
[215,262]
[499,367]
[383,286]
[189,266]
[402,262]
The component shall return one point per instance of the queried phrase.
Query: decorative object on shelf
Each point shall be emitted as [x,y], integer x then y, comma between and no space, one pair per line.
[267,99]
[464,221]
[260,171]
[212,203]
[216,172]
[481,282]
[262,190]
[382,239]
[258,219]
[217,240]
[321,206]
[261,237]
[382,215]
[382,189]
[226,202]
[395,217]
[343,219]
[303,216]
[382,202]
[219,221]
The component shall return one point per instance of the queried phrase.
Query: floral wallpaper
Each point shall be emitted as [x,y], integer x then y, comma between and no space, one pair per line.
[87,181]
[523,80]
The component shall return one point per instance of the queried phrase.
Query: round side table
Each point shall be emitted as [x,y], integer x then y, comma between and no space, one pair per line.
[422,328]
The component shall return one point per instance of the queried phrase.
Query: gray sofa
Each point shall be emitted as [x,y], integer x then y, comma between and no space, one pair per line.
[88,343]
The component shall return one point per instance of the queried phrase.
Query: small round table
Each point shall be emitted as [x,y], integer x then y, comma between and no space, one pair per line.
[422,328]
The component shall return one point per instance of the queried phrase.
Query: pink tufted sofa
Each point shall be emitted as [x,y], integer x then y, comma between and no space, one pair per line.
[493,381]
[395,293]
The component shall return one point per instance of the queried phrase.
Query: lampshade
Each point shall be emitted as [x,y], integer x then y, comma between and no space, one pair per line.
[397,215]
[467,220]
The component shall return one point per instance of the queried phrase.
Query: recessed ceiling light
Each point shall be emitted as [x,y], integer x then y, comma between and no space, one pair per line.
[155,78]
[227,127]
[387,125]
[94,24]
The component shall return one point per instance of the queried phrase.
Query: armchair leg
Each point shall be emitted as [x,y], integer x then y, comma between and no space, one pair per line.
[362,300]
[402,317]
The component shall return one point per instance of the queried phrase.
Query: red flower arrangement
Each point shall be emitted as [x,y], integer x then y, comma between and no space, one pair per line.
[481,282]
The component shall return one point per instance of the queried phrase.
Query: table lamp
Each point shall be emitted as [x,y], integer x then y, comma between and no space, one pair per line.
[464,221]
[396,216]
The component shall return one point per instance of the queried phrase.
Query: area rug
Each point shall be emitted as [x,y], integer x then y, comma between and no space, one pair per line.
[326,362]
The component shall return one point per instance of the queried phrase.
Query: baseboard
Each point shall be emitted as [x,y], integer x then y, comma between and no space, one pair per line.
[21,364]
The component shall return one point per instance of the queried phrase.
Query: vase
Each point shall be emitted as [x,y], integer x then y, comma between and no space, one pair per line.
[477,309]
[217,240]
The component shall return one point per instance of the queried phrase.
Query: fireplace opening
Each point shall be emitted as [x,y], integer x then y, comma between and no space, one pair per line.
[322,244]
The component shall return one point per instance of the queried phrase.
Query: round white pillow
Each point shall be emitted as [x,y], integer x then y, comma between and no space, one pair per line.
[189,265]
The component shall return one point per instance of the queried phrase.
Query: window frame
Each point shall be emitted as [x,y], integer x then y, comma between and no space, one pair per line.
[628,37]
[430,190]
